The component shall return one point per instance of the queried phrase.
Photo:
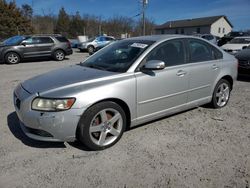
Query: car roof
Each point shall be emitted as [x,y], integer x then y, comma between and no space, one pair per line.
[158,38]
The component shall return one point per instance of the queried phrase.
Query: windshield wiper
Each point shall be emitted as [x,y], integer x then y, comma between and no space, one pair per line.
[95,67]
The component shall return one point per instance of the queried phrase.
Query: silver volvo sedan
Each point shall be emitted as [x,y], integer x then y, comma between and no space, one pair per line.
[125,84]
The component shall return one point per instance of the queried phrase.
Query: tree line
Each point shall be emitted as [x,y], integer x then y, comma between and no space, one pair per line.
[16,20]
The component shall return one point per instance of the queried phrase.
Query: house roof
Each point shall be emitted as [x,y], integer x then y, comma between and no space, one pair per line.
[192,22]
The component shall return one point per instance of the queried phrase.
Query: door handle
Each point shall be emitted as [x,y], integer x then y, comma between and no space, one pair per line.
[181,73]
[215,67]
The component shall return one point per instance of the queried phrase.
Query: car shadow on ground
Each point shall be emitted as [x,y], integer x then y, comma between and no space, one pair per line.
[14,126]
[37,60]
[243,78]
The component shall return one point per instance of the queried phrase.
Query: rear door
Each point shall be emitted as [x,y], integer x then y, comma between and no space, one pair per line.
[167,89]
[43,46]
[204,68]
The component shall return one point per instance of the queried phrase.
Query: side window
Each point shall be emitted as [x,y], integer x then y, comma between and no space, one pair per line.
[199,51]
[28,41]
[46,40]
[171,53]
[109,39]
[35,40]
[216,53]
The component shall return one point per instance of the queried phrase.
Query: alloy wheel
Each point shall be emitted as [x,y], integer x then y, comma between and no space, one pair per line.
[13,58]
[222,94]
[106,127]
[59,55]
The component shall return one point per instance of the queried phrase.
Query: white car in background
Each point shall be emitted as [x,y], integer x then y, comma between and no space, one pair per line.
[236,44]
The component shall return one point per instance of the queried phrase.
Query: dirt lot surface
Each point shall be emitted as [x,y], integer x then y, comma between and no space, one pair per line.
[202,147]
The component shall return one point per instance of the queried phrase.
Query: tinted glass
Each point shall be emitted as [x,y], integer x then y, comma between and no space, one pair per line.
[171,53]
[118,56]
[44,40]
[109,38]
[62,39]
[199,51]
[217,54]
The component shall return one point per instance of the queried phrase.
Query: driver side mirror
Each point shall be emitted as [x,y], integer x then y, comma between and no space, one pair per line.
[154,65]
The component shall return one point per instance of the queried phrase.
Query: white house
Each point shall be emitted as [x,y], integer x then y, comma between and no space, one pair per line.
[215,25]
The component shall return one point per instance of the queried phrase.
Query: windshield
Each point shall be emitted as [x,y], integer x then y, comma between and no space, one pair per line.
[118,56]
[240,41]
[14,40]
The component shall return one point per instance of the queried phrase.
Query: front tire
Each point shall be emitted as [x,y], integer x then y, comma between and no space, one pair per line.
[102,125]
[59,55]
[12,58]
[221,94]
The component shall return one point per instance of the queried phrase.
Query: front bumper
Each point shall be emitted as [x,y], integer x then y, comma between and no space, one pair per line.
[244,67]
[45,126]
[69,51]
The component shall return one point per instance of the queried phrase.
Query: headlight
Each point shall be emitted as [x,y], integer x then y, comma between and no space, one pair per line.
[43,104]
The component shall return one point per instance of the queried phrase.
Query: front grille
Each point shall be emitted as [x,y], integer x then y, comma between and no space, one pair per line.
[38,132]
[244,64]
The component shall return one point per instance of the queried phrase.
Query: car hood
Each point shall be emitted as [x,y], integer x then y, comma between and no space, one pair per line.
[63,77]
[243,54]
[233,46]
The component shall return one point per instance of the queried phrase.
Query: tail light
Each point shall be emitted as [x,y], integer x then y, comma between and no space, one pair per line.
[69,44]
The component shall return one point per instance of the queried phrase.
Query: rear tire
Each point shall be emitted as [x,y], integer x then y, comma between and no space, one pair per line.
[101,126]
[59,55]
[12,58]
[221,94]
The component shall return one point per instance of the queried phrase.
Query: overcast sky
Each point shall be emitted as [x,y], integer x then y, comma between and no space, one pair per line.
[237,11]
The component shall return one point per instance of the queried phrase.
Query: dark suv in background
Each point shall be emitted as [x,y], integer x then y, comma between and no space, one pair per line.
[15,49]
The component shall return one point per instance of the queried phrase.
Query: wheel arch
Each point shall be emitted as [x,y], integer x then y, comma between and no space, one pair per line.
[58,49]
[229,79]
[13,51]
[121,103]
[91,45]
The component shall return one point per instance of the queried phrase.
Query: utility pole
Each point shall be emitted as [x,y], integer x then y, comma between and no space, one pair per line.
[144,3]
[32,6]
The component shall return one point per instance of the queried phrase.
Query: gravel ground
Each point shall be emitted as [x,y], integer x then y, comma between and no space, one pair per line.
[201,147]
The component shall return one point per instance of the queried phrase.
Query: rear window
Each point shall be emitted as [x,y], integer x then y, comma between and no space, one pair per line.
[62,39]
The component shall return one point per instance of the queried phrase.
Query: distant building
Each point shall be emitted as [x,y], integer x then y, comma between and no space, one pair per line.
[216,25]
